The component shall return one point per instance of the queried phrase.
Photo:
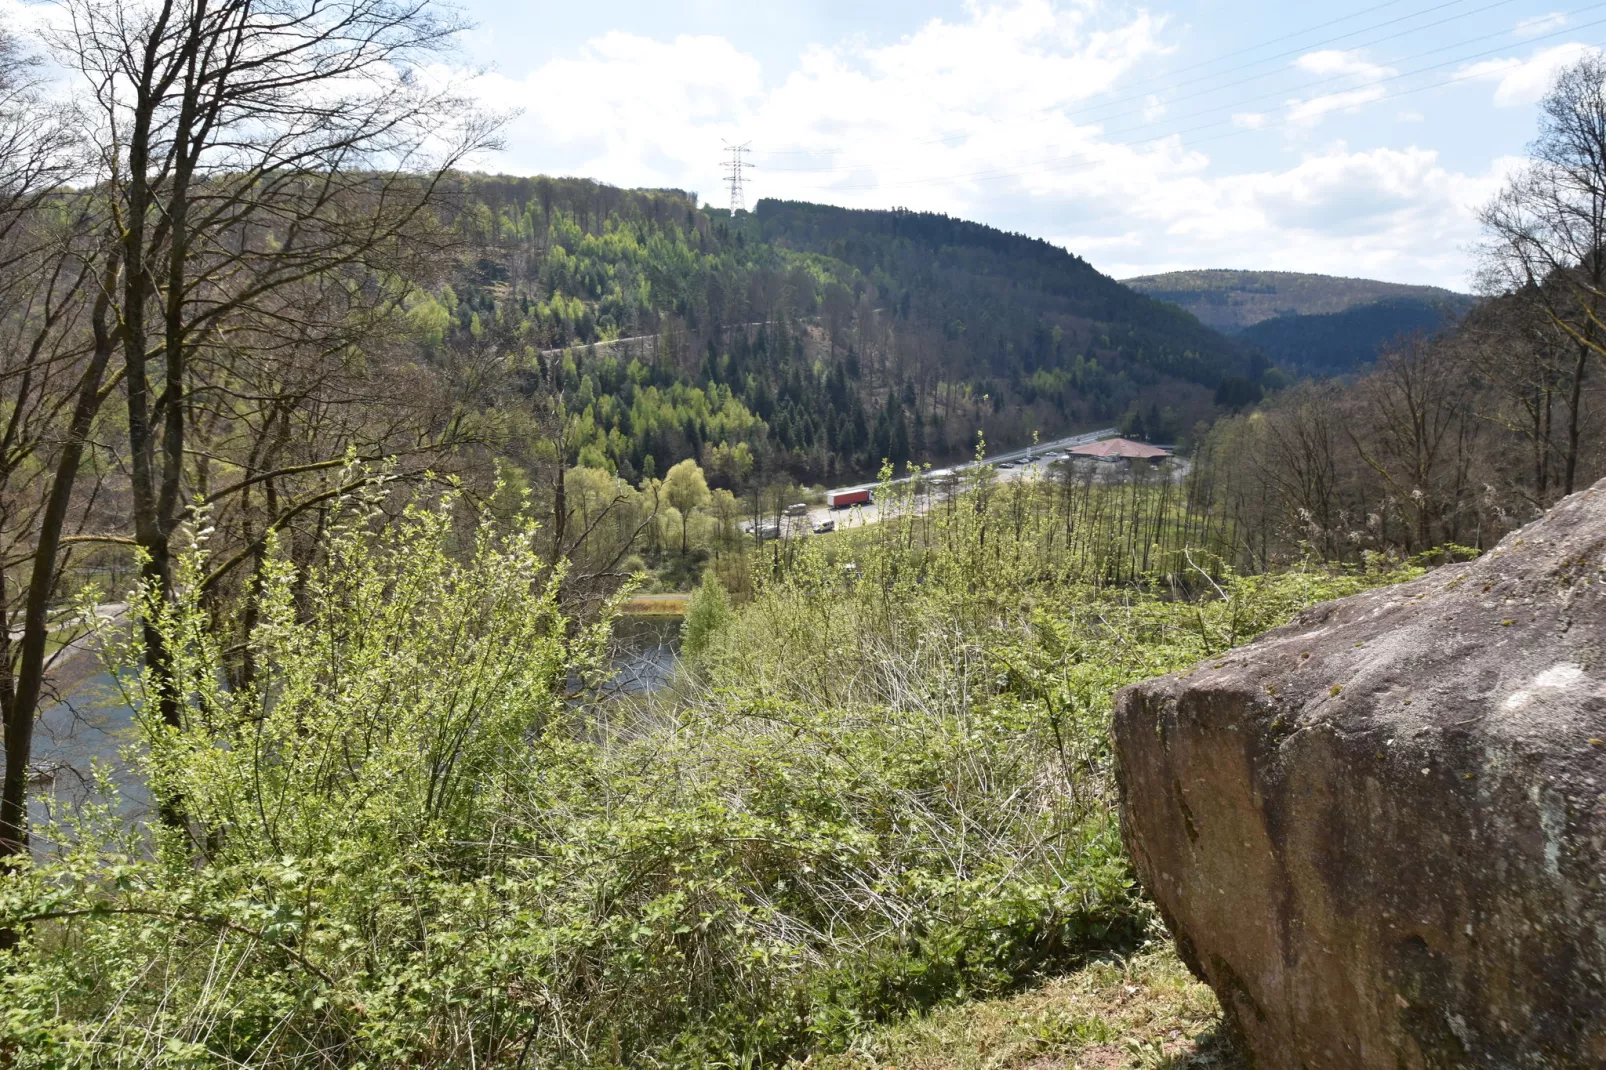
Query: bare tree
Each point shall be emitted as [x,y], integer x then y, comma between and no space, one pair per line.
[56,341]
[1413,425]
[1527,362]
[1299,457]
[1547,234]
[270,166]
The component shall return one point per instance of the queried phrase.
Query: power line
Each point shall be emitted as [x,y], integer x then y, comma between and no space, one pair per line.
[1072,162]
[1284,55]
[1145,92]
[1306,48]
[733,173]
[1318,83]
[991,172]
[1299,33]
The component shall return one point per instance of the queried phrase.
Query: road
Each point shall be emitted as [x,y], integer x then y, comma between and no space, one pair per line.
[1028,460]
[643,338]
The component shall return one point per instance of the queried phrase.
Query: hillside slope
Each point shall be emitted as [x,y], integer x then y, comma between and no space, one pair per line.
[820,340]
[1003,287]
[1319,325]
[1342,342]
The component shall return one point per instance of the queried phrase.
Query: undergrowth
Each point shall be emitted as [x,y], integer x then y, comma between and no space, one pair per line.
[418,833]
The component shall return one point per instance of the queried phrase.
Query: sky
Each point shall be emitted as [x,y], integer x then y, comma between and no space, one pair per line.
[1347,137]
[1351,138]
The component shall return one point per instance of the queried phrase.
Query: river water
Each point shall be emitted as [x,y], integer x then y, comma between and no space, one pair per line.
[646,651]
[94,724]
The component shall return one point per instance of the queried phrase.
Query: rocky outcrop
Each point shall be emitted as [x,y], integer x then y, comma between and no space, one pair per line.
[1379,832]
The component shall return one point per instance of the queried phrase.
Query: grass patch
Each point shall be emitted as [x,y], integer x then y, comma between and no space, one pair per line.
[1143,1011]
[656,605]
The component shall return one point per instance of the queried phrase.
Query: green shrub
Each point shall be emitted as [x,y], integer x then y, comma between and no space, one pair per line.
[708,613]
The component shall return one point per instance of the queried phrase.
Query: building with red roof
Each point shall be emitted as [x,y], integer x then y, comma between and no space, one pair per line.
[1117,449]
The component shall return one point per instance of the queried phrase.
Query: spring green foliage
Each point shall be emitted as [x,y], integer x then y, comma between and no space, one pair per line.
[708,614]
[686,490]
[417,836]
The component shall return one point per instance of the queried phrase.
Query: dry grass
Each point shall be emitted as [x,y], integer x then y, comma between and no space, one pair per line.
[654,605]
[1146,1011]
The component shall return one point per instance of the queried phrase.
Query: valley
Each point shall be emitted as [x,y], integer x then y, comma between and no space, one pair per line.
[1308,324]
[463,614]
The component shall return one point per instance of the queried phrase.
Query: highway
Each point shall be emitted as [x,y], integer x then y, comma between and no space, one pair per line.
[1026,460]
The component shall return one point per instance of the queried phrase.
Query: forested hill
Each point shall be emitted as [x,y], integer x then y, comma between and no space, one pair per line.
[1317,325]
[973,279]
[1339,343]
[1232,301]
[803,339]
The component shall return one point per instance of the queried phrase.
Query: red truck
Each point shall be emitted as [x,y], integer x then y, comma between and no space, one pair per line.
[842,499]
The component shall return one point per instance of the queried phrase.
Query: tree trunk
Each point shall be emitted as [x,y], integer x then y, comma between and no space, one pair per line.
[1574,403]
[29,680]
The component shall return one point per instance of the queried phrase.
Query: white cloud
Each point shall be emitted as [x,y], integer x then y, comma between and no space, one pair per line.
[1335,65]
[1306,112]
[628,105]
[1521,82]
[1336,62]
[957,98]
[1382,213]
[1535,25]
[994,115]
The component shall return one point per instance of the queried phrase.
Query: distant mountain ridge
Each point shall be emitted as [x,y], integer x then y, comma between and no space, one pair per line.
[1311,324]
[1232,300]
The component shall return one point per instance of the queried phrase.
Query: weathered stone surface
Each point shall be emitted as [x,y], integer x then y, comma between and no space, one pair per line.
[1380,831]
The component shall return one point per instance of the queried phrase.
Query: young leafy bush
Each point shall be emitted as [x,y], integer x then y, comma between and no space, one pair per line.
[332,892]
[707,614]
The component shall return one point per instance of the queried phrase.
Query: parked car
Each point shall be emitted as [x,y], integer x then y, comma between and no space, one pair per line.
[769,531]
[824,526]
[1007,464]
[797,510]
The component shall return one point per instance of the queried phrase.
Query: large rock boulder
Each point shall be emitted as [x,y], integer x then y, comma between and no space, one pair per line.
[1379,832]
